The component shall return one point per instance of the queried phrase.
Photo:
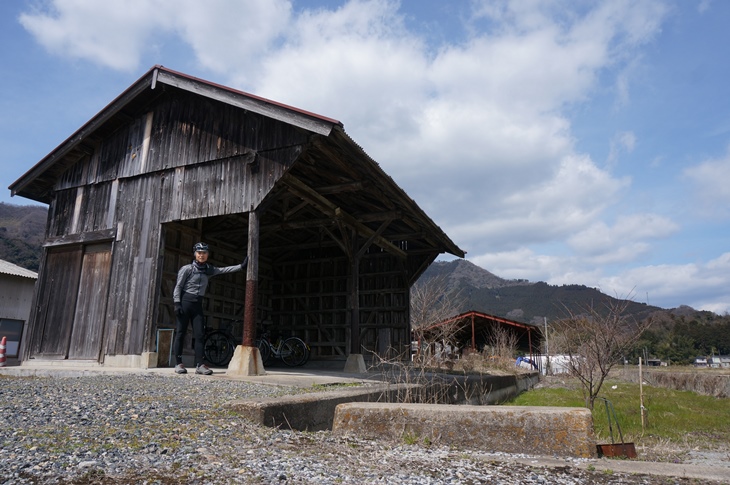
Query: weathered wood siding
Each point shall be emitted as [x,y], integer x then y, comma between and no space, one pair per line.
[134,268]
[57,303]
[183,158]
[88,323]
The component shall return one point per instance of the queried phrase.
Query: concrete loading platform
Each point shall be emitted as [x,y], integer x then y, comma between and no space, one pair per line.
[555,431]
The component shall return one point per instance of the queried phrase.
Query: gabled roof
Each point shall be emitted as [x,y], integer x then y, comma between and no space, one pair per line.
[329,144]
[15,270]
[483,316]
[141,92]
[472,325]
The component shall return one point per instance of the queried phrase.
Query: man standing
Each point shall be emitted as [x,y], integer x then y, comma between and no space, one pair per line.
[192,280]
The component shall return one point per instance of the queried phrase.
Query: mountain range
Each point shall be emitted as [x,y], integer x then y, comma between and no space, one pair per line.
[22,231]
[522,300]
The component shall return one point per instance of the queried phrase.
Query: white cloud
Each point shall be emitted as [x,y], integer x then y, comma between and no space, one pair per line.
[356,64]
[704,6]
[703,286]
[623,242]
[118,34]
[521,263]
[231,36]
[551,210]
[111,34]
[710,183]
[623,142]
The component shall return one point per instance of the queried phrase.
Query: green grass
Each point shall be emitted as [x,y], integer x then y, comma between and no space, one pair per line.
[674,419]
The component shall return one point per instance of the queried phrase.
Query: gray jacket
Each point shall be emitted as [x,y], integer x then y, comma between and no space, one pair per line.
[194,280]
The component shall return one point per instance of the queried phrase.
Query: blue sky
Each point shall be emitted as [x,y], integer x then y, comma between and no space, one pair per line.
[565,141]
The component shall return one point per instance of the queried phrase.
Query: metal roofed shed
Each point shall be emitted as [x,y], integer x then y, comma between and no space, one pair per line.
[11,269]
[334,243]
[471,330]
[16,296]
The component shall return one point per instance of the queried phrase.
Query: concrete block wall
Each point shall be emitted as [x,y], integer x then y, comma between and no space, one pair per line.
[311,411]
[510,429]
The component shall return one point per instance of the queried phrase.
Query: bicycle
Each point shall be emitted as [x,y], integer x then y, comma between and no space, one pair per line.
[292,351]
[218,347]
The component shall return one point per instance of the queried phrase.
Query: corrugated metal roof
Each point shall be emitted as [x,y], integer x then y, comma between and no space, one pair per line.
[15,270]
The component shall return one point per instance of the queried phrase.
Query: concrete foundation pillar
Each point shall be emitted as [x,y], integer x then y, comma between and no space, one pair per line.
[246,361]
[355,364]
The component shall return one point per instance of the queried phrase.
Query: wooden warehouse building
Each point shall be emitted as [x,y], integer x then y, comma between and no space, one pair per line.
[334,243]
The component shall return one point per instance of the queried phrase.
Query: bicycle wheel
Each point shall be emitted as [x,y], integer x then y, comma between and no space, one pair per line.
[218,349]
[264,349]
[294,352]
[307,351]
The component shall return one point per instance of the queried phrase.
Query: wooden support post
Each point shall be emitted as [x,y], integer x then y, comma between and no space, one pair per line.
[246,359]
[354,296]
[355,361]
[252,276]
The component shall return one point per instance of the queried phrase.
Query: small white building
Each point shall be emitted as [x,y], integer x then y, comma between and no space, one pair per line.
[554,364]
[717,361]
[16,297]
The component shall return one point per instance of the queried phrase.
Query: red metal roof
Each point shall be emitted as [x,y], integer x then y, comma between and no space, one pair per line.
[249,95]
[484,316]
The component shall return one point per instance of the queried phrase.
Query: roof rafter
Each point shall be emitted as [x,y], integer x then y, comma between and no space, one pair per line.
[305,192]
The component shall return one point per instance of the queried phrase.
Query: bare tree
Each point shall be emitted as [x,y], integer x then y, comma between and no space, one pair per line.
[502,343]
[595,341]
[432,301]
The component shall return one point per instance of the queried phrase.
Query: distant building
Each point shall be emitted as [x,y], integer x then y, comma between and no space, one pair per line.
[16,297]
[717,361]
[470,330]
[700,362]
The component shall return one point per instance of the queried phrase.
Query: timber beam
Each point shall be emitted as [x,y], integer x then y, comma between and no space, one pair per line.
[303,191]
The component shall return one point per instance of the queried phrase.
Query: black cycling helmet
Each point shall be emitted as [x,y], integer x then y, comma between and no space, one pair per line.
[200,247]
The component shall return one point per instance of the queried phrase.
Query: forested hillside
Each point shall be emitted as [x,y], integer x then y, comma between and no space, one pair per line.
[521,300]
[22,228]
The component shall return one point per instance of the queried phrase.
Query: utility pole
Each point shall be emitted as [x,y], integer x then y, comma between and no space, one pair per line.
[642,409]
[547,348]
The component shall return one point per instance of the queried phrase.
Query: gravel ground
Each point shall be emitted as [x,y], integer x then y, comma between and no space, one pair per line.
[159,429]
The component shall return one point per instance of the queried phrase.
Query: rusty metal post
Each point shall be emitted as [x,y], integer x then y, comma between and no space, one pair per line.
[252,277]
[473,335]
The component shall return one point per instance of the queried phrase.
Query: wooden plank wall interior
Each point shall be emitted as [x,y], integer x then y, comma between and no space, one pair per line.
[307,299]
[225,295]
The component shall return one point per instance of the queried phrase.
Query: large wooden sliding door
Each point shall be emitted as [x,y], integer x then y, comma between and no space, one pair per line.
[72,296]
[88,324]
